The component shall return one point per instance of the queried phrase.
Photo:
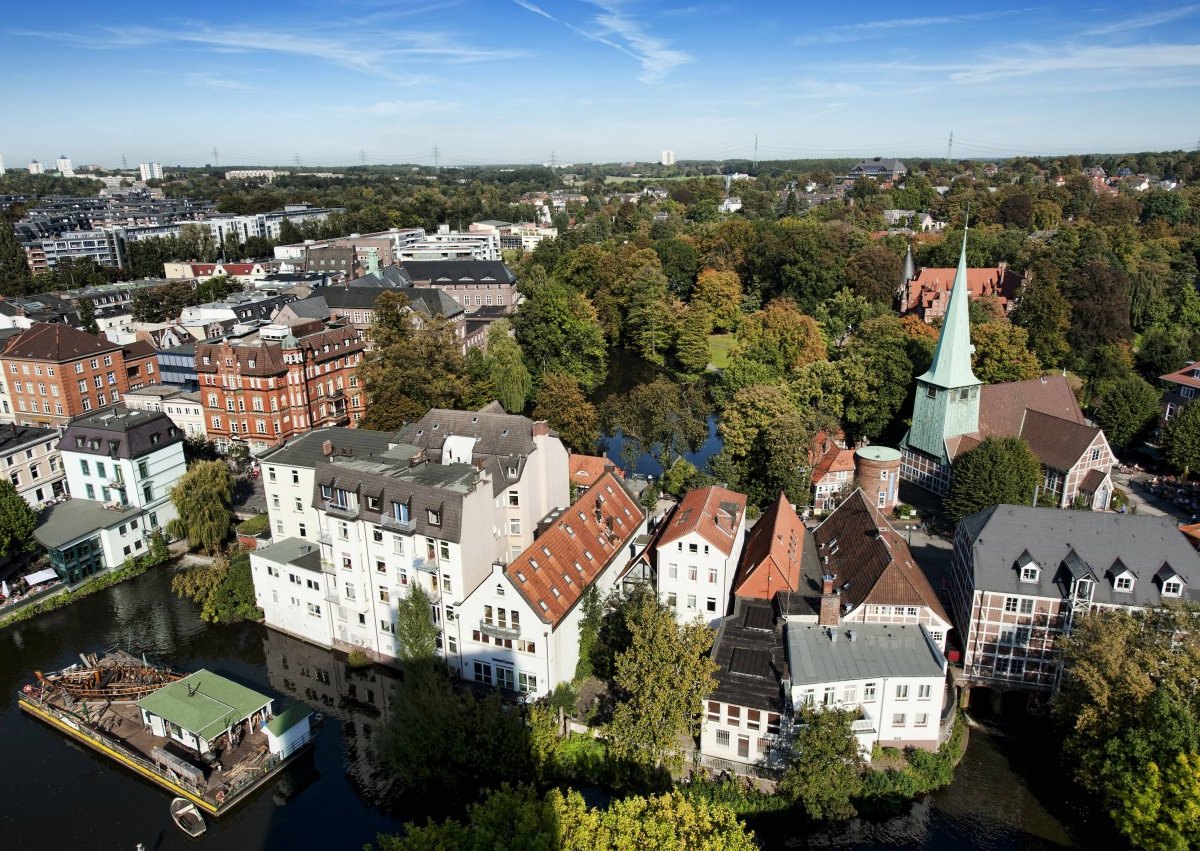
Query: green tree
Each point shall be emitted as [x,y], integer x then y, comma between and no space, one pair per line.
[652,322]
[203,497]
[15,277]
[999,471]
[589,632]
[410,370]
[692,351]
[87,316]
[874,274]
[1045,314]
[721,293]
[662,418]
[825,767]
[506,365]
[558,331]
[649,719]
[1002,353]
[876,376]
[1181,439]
[416,634]
[1125,408]
[766,441]
[560,402]
[17,521]
[780,337]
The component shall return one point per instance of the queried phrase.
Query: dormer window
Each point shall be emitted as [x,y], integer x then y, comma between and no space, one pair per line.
[1172,588]
[1123,583]
[1027,568]
[434,517]
[1029,573]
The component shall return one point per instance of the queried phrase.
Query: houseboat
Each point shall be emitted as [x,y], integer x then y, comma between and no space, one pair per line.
[201,736]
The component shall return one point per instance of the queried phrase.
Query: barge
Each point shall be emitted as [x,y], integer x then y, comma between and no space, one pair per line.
[199,736]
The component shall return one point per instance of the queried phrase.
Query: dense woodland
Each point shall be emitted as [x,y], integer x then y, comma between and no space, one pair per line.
[808,293]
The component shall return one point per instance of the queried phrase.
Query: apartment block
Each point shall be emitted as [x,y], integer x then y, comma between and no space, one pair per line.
[697,553]
[32,462]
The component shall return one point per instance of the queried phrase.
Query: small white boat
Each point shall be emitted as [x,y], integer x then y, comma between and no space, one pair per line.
[188,817]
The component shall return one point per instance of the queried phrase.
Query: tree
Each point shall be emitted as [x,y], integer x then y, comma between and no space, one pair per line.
[874,274]
[662,418]
[652,322]
[416,634]
[721,293]
[825,769]
[766,441]
[15,277]
[560,402]
[999,471]
[1125,408]
[224,589]
[87,316]
[1045,314]
[876,374]
[1181,439]
[692,351]
[203,497]
[558,331]
[507,371]
[649,719]
[780,337]
[410,369]
[1163,810]
[1002,353]
[17,521]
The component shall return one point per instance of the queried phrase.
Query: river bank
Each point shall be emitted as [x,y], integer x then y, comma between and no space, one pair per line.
[1002,796]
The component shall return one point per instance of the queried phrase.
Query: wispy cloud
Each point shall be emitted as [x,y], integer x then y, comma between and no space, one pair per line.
[1141,22]
[878,29]
[343,45]
[204,79]
[389,108]
[1053,59]
[615,28]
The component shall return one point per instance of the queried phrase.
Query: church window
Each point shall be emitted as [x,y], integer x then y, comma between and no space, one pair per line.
[964,393]
[931,391]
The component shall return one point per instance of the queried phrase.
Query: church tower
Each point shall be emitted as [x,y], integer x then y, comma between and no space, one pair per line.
[947,400]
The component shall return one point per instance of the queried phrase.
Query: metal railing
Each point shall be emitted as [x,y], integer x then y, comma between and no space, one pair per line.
[340,509]
[389,522]
[499,631]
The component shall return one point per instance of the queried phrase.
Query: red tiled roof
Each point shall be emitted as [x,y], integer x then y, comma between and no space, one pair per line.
[57,343]
[771,560]
[1002,406]
[1184,375]
[714,513]
[836,460]
[930,285]
[1058,443]
[587,469]
[555,569]
[1192,533]
[140,349]
[871,560]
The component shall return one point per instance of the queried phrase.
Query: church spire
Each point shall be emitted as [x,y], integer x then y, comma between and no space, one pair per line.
[951,365]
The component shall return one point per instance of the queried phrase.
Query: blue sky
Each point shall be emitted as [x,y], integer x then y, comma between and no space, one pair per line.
[490,81]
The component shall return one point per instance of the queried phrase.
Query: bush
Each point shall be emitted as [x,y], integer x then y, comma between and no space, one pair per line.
[254,525]
[563,697]
[739,794]
[358,659]
[1120,499]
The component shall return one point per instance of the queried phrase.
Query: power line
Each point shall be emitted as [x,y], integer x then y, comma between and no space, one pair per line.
[950,147]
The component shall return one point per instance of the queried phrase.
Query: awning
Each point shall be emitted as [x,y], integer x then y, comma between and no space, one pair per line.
[41,576]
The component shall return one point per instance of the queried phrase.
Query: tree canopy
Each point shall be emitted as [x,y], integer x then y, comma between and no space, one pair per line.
[17,521]
[1001,470]
[203,496]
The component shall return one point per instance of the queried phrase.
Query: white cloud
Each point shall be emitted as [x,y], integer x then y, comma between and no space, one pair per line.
[204,79]
[877,29]
[404,107]
[1057,60]
[1139,22]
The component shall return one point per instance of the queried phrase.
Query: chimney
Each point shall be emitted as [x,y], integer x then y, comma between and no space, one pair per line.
[828,615]
[327,448]
[541,428]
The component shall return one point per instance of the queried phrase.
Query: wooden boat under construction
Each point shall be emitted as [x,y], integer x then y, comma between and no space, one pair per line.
[115,676]
[203,737]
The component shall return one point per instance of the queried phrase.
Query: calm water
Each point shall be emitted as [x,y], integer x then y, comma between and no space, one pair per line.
[55,794]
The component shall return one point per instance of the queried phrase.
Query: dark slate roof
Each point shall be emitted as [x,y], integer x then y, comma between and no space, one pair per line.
[1077,544]
[459,271]
[13,437]
[433,303]
[117,432]
[305,450]
[817,654]
[313,307]
[749,653]
[295,551]
[496,434]
[353,298]
[388,277]
[870,559]
[56,343]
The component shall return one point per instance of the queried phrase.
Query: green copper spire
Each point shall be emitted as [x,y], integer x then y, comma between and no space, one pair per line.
[951,365]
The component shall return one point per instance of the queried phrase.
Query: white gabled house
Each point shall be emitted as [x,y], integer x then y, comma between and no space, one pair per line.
[518,629]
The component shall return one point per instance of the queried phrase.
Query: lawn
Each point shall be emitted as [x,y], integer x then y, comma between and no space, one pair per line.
[720,345]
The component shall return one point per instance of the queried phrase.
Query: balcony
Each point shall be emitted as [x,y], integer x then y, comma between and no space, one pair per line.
[389,522]
[324,538]
[331,596]
[117,483]
[328,567]
[511,632]
[427,565]
[340,510]
[865,724]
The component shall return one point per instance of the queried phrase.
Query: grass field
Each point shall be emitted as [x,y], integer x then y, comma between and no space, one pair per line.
[719,345]
[613,178]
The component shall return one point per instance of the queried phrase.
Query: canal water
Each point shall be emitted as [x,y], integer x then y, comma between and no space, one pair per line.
[55,794]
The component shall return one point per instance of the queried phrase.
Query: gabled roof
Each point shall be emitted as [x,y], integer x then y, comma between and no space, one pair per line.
[459,271]
[56,343]
[771,560]
[586,470]
[1058,443]
[1002,407]
[750,657]
[1185,375]
[928,284]
[496,434]
[714,513]
[567,558]
[871,560]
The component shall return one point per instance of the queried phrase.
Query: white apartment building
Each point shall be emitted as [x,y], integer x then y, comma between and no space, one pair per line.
[668,158]
[36,167]
[892,676]
[453,245]
[29,457]
[518,629]
[64,166]
[437,503]
[185,409]
[150,171]
[120,467]
[697,553]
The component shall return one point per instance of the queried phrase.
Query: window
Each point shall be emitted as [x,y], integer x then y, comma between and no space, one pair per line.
[830,697]
[714,711]
[1172,588]
[1096,454]
[931,391]
[1029,574]
[722,738]
[483,673]
[514,498]
[921,719]
[692,572]
[711,604]
[712,576]
[869,692]
[1027,606]
[850,694]
[901,692]
[743,747]
[672,601]
[514,526]
[1010,604]
[1124,583]
[923,691]
[808,697]
[295,477]
[691,602]
[91,490]
[143,469]
[386,626]
[673,571]
[444,550]
[384,595]
[898,719]
[733,714]
[434,517]
[83,466]
[148,492]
